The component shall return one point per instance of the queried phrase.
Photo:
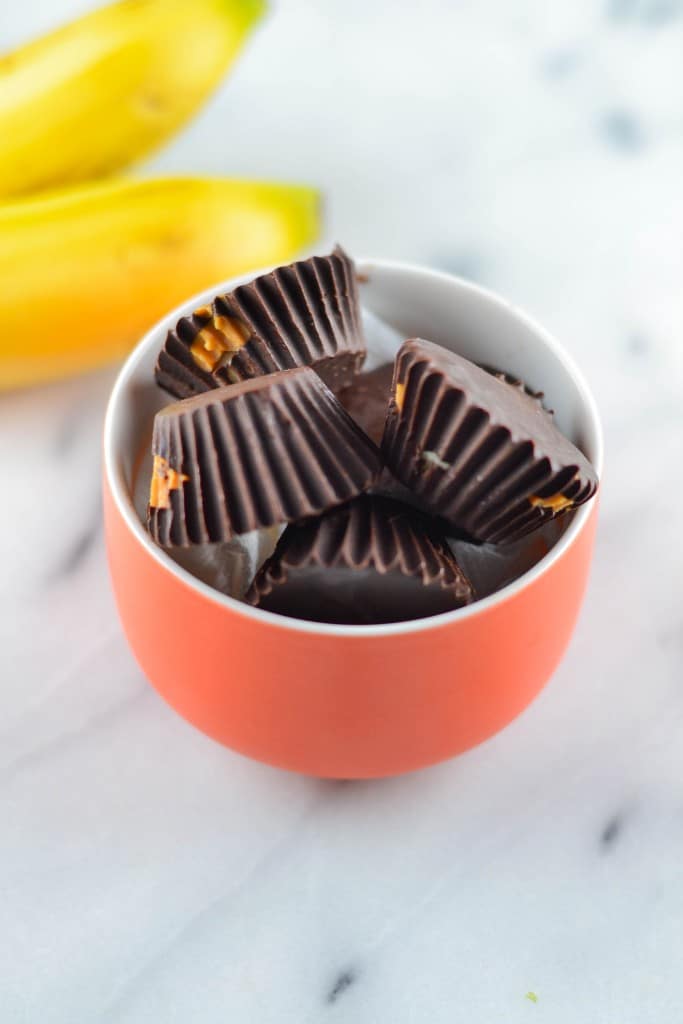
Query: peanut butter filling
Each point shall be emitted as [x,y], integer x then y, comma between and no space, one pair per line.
[399,396]
[554,502]
[217,341]
[164,480]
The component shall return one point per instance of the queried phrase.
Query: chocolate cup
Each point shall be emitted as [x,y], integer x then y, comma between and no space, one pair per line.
[305,314]
[367,400]
[373,560]
[477,452]
[271,450]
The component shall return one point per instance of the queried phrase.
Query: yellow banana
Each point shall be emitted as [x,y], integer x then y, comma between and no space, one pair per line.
[84,272]
[100,93]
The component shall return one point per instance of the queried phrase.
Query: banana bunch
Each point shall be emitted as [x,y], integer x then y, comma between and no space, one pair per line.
[89,262]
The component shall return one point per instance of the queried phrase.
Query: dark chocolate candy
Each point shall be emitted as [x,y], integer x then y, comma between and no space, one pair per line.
[367,400]
[305,314]
[372,560]
[266,451]
[476,451]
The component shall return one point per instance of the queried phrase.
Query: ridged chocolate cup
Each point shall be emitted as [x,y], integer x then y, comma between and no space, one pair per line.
[271,450]
[305,314]
[373,560]
[476,451]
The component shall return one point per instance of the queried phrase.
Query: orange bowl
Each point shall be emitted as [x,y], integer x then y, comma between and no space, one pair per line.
[354,701]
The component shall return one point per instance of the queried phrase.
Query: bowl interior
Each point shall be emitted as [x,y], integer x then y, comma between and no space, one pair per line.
[415,302]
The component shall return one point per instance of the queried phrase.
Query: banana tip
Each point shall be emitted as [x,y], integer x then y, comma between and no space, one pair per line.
[249,12]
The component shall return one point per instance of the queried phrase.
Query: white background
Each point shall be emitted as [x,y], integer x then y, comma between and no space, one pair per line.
[146,874]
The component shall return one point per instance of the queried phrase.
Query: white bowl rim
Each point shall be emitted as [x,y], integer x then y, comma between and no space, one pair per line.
[124,503]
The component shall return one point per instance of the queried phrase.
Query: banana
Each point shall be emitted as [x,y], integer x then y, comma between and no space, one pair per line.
[86,271]
[98,94]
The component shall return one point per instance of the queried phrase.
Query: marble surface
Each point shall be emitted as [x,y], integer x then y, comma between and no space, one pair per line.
[146,874]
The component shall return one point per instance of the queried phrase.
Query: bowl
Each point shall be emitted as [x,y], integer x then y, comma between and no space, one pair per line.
[354,701]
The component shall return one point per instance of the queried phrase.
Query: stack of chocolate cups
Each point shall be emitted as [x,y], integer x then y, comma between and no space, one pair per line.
[276,425]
